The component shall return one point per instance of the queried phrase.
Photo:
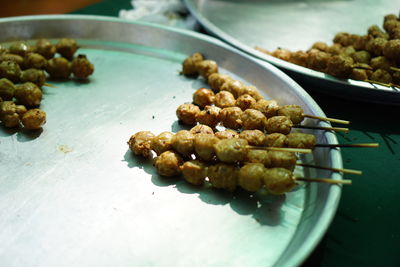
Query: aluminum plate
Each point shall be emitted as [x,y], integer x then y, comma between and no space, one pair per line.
[296,25]
[73,194]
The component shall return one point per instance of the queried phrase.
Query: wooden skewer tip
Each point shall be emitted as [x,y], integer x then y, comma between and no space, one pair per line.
[324,180]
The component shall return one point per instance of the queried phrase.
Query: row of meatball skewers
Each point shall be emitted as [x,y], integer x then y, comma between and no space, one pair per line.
[373,57]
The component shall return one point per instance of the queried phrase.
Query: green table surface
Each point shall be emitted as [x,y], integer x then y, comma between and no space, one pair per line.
[366,228]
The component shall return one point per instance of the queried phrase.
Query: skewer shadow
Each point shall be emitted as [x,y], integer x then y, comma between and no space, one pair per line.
[28,135]
[138,162]
[4,132]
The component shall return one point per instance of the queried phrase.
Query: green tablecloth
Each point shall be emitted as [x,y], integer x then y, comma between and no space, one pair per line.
[365,230]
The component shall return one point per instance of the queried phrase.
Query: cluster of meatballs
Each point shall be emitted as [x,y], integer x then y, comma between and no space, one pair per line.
[23,71]
[373,57]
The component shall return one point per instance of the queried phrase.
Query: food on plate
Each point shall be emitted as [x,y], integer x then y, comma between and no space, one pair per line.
[33,119]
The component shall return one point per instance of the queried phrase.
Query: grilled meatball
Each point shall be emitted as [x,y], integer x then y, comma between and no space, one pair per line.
[279,124]
[340,66]
[224,99]
[34,119]
[252,91]
[19,48]
[187,113]
[278,181]
[253,137]
[45,48]
[342,38]
[245,101]
[318,60]
[282,159]
[216,80]
[28,94]
[381,63]
[162,142]
[376,32]
[231,117]
[34,61]
[362,56]
[10,70]
[13,58]
[301,140]
[7,89]
[321,46]
[293,112]
[168,163]
[359,74]
[253,119]
[231,150]
[335,49]
[10,113]
[275,140]
[233,86]
[204,146]
[299,58]
[194,172]
[392,50]
[35,76]
[67,47]
[251,176]
[226,134]
[200,128]
[281,53]
[203,97]
[223,176]
[206,68]
[268,107]
[140,143]
[182,142]
[258,156]
[375,46]
[189,64]
[81,67]
[382,76]
[58,68]
[210,116]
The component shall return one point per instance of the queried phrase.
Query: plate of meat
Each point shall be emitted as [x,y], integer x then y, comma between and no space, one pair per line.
[343,48]
[239,150]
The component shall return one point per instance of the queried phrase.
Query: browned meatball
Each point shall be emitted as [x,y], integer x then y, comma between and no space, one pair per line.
[335,49]
[245,101]
[34,119]
[251,176]
[34,61]
[28,94]
[361,57]
[223,176]
[253,137]
[268,107]
[224,99]
[7,89]
[360,42]
[293,112]
[67,47]
[187,113]
[258,156]
[216,80]
[10,113]
[318,60]
[235,87]
[230,117]
[200,128]
[278,181]
[203,97]
[206,68]
[140,143]
[376,32]
[19,48]
[342,38]
[381,63]
[35,76]
[252,91]
[359,74]
[189,64]
[299,58]
[58,68]
[209,116]
[194,172]
[321,46]
[279,124]
[340,66]
[168,163]
[10,70]
[226,134]
[375,46]
[45,48]
[162,142]
[253,119]
[13,58]
[392,50]
[231,150]
[281,53]
[282,159]
[81,67]
[182,142]
[204,146]
[382,76]
[301,140]
[396,78]
[275,140]
[348,50]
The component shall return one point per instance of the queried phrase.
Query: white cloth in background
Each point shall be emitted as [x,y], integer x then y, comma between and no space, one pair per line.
[166,12]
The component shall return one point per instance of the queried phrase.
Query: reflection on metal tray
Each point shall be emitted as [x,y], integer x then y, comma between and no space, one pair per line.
[296,25]
[74,195]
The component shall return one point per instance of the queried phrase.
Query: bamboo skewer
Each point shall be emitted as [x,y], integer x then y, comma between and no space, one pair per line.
[326,119]
[349,145]
[49,85]
[336,129]
[324,180]
[283,149]
[349,171]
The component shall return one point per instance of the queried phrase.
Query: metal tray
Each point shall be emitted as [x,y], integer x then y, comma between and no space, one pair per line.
[73,194]
[296,25]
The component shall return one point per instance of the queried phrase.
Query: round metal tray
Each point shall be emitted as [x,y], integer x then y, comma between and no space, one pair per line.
[296,25]
[73,194]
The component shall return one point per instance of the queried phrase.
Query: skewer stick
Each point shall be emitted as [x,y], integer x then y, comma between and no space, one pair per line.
[349,145]
[49,85]
[323,180]
[383,84]
[283,149]
[394,69]
[349,171]
[326,119]
[336,129]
